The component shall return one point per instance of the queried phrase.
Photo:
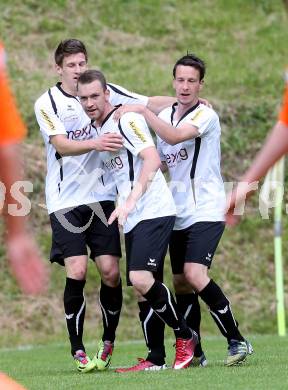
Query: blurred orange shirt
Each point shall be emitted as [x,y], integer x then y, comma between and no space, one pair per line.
[283,115]
[12,128]
[7,383]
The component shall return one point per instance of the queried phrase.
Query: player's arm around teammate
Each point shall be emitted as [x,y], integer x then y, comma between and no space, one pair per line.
[66,147]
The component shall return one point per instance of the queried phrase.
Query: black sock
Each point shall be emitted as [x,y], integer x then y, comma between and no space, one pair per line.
[162,302]
[74,306]
[188,305]
[220,310]
[110,299]
[153,329]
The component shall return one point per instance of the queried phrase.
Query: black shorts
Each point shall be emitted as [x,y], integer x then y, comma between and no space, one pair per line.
[195,244]
[146,246]
[84,228]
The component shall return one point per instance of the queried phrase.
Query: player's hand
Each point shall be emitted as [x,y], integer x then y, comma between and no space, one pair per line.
[235,203]
[138,108]
[121,213]
[26,264]
[109,142]
[206,102]
[231,218]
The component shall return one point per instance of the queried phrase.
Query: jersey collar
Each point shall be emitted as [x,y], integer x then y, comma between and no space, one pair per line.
[109,114]
[58,85]
[174,106]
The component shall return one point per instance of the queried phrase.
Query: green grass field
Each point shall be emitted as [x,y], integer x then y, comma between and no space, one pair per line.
[50,367]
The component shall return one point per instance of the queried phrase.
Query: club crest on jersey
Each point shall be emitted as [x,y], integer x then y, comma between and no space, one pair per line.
[70,108]
[137,131]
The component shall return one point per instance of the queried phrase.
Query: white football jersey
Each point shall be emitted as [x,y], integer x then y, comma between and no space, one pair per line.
[74,180]
[125,166]
[194,167]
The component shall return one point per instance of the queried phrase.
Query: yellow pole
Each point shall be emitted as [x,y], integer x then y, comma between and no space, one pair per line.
[278,258]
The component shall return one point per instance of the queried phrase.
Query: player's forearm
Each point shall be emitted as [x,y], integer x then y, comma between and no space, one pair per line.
[167,132]
[149,168]
[275,147]
[158,103]
[66,147]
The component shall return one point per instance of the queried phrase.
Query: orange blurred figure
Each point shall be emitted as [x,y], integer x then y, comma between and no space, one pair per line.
[23,255]
[7,383]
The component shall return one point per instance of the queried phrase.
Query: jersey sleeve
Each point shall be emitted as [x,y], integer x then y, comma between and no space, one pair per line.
[283,114]
[135,132]
[202,118]
[120,95]
[12,128]
[48,121]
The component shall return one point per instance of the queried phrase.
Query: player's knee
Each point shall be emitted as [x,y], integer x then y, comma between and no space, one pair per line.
[76,268]
[77,273]
[110,276]
[181,285]
[197,280]
[139,281]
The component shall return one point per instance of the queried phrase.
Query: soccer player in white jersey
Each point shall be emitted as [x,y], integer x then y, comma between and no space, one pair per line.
[188,140]
[145,209]
[74,186]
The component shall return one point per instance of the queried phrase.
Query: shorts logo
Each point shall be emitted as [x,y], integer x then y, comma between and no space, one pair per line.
[152,262]
[209,257]
[69,316]
[162,309]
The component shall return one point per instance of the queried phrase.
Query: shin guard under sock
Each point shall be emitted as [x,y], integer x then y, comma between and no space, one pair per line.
[74,306]
[162,302]
[220,310]
[110,299]
[153,329]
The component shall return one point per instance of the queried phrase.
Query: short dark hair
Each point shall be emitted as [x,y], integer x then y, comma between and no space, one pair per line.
[91,75]
[191,60]
[67,47]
